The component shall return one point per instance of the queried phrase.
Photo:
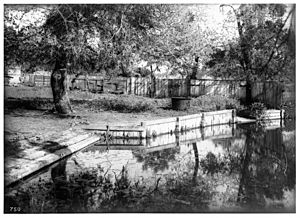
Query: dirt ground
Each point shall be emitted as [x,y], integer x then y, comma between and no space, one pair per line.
[22,124]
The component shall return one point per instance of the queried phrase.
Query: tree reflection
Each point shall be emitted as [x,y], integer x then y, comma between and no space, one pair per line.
[196,162]
[157,160]
[267,167]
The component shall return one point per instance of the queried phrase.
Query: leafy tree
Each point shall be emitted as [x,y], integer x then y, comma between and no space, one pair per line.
[78,38]
[24,41]
[261,50]
[183,40]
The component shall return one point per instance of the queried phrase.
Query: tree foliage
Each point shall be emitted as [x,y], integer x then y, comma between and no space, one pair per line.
[116,38]
[91,37]
[24,41]
[262,50]
[182,38]
[111,37]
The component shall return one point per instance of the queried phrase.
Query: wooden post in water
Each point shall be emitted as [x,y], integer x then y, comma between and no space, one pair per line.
[202,121]
[107,136]
[233,115]
[177,125]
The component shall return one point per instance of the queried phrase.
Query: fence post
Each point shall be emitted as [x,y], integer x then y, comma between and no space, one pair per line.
[170,84]
[131,85]
[153,86]
[126,86]
[188,86]
[233,115]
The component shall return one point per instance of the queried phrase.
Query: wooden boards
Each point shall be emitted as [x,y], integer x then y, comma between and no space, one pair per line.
[18,168]
[172,125]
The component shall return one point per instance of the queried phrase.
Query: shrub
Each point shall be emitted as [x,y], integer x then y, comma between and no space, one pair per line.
[93,191]
[257,110]
[216,102]
[127,103]
[120,103]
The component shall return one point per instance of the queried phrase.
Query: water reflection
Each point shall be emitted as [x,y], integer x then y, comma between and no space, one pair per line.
[157,160]
[249,167]
[226,168]
[267,168]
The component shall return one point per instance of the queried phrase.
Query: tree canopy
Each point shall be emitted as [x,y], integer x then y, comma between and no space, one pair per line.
[91,36]
[116,37]
[262,49]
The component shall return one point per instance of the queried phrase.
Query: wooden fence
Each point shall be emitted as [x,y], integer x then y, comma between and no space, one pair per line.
[269,92]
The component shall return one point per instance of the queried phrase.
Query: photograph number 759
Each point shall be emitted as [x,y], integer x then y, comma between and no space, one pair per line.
[149,108]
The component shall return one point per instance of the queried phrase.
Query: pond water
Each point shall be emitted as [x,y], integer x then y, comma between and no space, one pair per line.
[243,168]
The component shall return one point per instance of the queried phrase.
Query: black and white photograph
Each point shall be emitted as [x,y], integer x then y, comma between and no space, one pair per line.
[163,107]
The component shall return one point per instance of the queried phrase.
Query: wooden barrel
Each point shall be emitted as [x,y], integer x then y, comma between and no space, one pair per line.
[181,103]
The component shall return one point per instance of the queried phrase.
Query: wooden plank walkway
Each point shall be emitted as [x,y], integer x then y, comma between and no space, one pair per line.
[45,154]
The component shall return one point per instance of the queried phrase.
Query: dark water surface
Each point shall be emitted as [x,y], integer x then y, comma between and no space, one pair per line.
[243,168]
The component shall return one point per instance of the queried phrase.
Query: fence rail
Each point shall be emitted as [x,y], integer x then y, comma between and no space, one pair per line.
[269,92]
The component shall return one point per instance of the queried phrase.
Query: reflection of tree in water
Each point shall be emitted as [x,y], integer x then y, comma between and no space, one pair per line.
[196,168]
[157,160]
[266,166]
[212,164]
[60,184]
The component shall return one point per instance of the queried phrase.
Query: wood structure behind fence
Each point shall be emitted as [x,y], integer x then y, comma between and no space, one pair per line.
[269,92]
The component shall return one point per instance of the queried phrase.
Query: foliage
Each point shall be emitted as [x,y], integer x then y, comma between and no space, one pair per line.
[157,160]
[92,37]
[261,52]
[120,103]
[34,103]
[83,192]
[183,39]
[289,109]
[92,191]
[257,110]
[109,37]
[24,44]
[211,164]
[215,102]
[128,104]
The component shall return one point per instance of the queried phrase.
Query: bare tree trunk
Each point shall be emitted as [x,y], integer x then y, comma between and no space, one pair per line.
[59,85]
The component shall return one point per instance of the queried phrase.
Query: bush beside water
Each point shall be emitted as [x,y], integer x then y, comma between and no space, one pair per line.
[215,102]
[93,191]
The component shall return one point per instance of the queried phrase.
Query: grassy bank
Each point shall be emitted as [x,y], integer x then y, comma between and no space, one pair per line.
[40,98]
[92,191]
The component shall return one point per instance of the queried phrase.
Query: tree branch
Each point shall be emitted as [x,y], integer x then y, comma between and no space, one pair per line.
[276,41]
[65,20]
[121,24]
